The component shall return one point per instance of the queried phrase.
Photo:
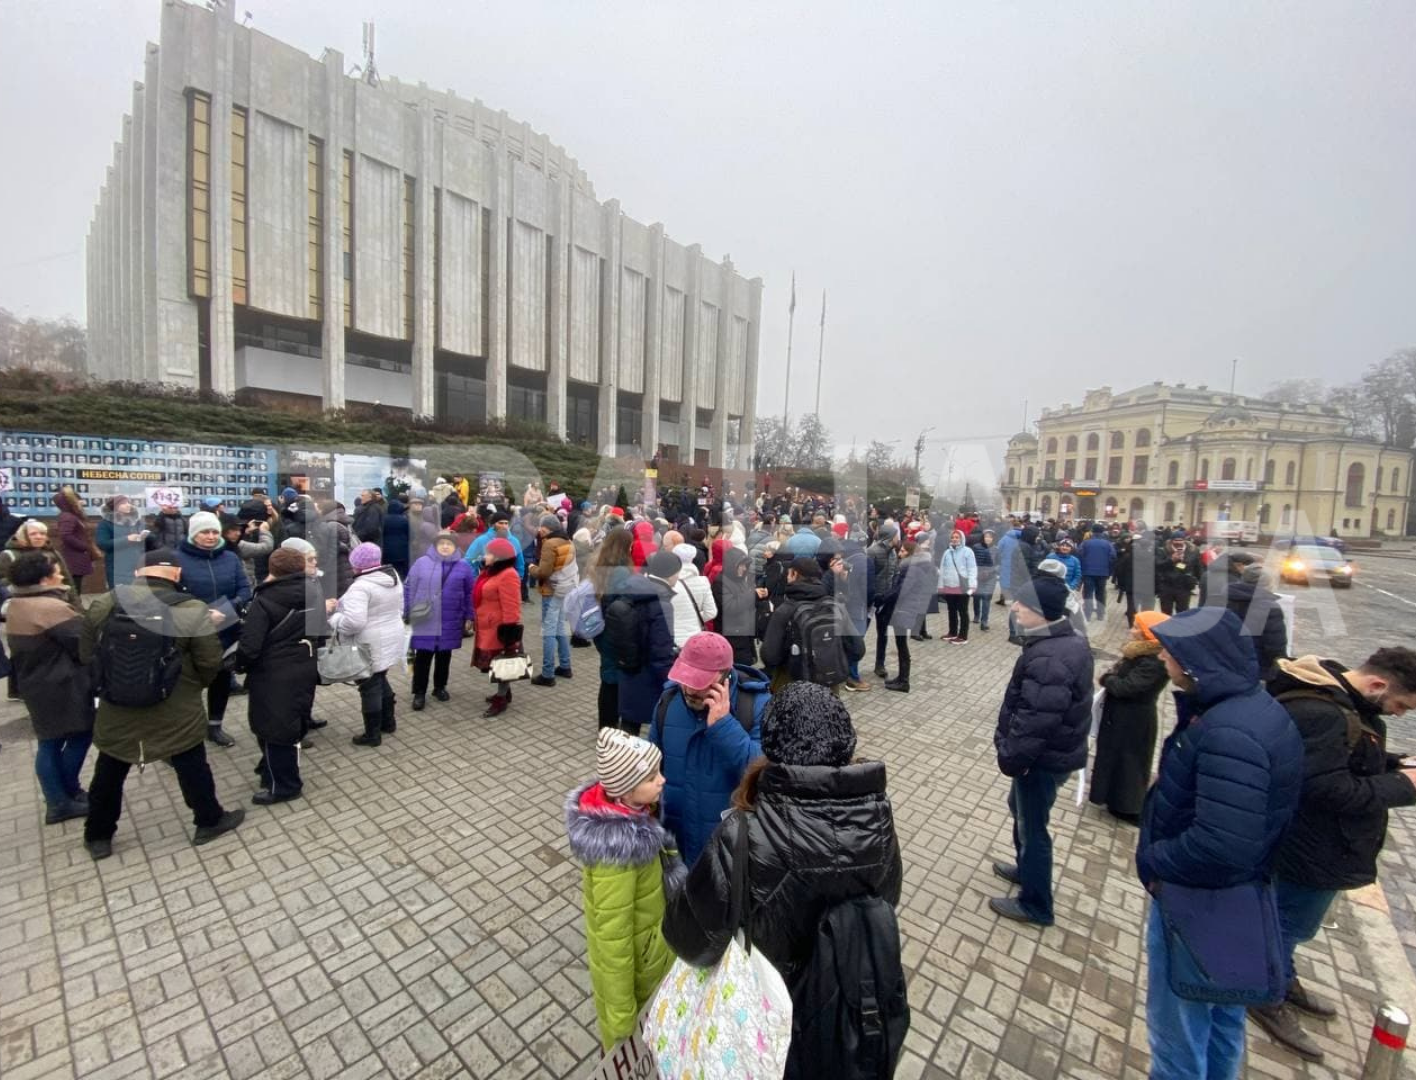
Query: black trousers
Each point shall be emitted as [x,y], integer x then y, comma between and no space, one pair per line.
[1172,602]
[106,791]
[279,768]
[882,632]
[376,700]
[609,703]
[902,654]
[439,661]
[217,695]
[958,615]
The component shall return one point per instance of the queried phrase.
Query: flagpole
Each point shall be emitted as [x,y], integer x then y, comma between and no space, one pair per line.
[791,319]
[820,352]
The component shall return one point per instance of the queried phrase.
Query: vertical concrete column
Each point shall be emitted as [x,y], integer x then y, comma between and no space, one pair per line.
[424,327]
[718,450]
[613,247]
[137,358]
[332,320]
[107,268]
[152,362]
[748,438]
[90,295]
[222,335]
[499,171]
[688,408]
[560,228]
[122,271]
[654,346]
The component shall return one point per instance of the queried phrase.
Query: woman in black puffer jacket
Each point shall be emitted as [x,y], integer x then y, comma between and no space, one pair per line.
[820,831]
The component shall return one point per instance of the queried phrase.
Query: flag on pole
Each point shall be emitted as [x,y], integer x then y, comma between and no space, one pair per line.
[791,307]
[823,307]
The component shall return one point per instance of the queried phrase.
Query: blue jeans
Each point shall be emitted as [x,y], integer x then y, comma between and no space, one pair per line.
[982,601]
[1094,595]
[1300,913]
[1030,802]
[1189,1040]
[57,763]
[553,634]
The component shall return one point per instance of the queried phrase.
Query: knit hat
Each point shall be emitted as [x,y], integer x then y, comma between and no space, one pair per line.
[296,543]
[366,556]
[1147,621]
[806,725]
[686,553]
[548,521]
[624,761]
[286,562]
[289,495]
[840,528]
[1056,567]
[202,521]
[500,550]
[663,564]
[1046,595]
[704,656]
[445,534]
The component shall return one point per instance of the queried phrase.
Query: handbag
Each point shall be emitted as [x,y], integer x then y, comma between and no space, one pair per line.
[1223,945]
[510,668]
[728,1021]
[339,662]
[420,611]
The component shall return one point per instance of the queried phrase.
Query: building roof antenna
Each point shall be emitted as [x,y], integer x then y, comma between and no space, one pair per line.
[369,71]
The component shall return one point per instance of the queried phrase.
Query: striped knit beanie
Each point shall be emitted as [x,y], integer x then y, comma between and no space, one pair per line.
[624,761]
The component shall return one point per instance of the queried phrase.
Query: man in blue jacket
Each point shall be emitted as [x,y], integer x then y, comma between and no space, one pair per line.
[703,734]
[1098,558]
[1229,780]
[1041,737]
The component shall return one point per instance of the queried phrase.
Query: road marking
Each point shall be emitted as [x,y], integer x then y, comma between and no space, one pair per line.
[1411,603]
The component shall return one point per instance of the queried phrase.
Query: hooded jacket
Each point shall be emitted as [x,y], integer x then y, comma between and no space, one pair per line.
[1341,822]
[167,530]
[702,764]
[694,606]
[75,544]
[958,569]
[652,602]
[777,640]
[217,578]
[1258,611]
[446,584]
[736,598]
[369,522]
[277,650]
[397,537]
[1046,711]
[371,613]
[44,632]
[1230,772]
[557,555]
[622,893]
[121,556]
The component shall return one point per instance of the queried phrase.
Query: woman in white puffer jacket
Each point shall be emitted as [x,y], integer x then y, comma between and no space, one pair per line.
[371,613]
[694,607]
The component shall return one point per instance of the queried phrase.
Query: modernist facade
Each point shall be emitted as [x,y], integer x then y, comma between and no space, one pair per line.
[1175,454]
[271,226]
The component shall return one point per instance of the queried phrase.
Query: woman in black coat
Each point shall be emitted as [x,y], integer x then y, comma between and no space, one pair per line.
[277,650]
[1125,738]
[820,831]
[737,599]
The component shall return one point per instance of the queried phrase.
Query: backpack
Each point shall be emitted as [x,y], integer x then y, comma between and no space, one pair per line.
[138,662]
[850,1011]
[582,611]
[621,617]
[817,644]
[745,710]
[1355,728]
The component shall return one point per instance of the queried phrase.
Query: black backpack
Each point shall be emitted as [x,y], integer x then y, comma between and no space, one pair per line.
[138,662]
[744,708]
[817,643]
[621,634]
[850,1012]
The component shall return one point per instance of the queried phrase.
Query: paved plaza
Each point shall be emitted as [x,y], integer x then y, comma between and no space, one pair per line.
[417,913]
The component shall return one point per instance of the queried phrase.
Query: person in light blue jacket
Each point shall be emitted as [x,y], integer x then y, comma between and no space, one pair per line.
[1064,555]
[958,581]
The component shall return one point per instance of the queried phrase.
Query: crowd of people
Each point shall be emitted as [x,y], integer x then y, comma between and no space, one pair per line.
[727,633]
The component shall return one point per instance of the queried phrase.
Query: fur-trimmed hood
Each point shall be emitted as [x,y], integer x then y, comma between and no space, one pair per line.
[601,835]
[1133,649]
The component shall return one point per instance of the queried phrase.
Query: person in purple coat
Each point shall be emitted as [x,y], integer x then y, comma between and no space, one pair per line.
[437,603]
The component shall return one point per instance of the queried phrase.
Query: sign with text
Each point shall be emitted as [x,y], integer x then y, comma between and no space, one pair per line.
[628,1060]
[912,498]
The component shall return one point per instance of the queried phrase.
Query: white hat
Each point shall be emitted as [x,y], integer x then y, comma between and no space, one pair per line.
[202,521]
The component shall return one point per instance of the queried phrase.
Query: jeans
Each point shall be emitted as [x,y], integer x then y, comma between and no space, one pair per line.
[553,635]
[861,626]
[1094,595]
[1300,913]
[1030,802]
[376,702]
[982,600]
[958,615]
[1189,1040]
[57,763]
[106,791]
[439,662]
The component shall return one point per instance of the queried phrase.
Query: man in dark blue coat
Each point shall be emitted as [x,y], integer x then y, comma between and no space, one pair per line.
[1098,558]
[1041,737]
[1228,784]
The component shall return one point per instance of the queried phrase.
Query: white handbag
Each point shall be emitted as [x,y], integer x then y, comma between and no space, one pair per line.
[510,668]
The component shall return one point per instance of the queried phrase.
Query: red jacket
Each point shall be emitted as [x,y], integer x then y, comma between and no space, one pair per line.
[496,601]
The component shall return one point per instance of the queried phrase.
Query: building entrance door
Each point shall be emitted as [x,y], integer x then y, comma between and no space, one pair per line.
[1086,507]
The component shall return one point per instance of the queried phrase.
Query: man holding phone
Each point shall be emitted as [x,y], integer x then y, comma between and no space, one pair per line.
[708,724]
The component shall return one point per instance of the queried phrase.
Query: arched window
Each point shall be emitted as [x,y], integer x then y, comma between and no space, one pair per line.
[1118,440]
[1172,475]
[1290,474]
[1111,507]
[1396,479]
[1138,509]
[1169,514]
[1143,438]
[1071,444]
[1378,485]
[1045,506]
[1093,442]
[1012,476]
[1270,466]
[1052,446]
[1287,518]
[1030,476]
[1228,469]
[1356,478]
[1391,520]
[1204,468]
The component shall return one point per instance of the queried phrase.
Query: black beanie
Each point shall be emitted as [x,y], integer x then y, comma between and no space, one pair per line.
[1045,594]
[806,725]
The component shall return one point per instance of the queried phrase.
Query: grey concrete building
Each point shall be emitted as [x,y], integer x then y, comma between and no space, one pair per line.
[271,226]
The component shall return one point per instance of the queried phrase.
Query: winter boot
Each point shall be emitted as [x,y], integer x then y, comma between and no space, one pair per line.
[497,707]
[218,737]
[1281,1023]
[372,735]
[389,721]
[418,702]
[1300,998]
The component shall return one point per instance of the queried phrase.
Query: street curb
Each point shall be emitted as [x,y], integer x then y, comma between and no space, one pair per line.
[1381,946]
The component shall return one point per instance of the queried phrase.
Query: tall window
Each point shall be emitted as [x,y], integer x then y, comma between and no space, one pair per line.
[1269,467]
[1169,514]
[1030,476]
[1071,444]
[199,193]
[1052,446]
[1140,468]
[238,205]
[1093,443]
[1286,518]
[1049,470]
[346,232]
[1264,514]
[1290,474]
[1091,468]
[1391,520]
[408,257]
[1012,476]
[1118,440]
[1228,469]
[1045,506]
[1143,438]
[1138,510]
[1069,468]
[1396,480]
[1172,475]
[1113,470]
[1356,478]
[1204,468]
[314,182]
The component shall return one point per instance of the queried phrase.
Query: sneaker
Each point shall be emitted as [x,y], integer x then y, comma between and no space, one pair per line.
[265,798]
[442,695]
[1009,908]
[1008,872]
[67,810]
[563,672]
[959,641]
[857,686]
[207,833]
[901,686]
[1281,1023]
[543,680]
[219,738]
[99,849]
[1301,998]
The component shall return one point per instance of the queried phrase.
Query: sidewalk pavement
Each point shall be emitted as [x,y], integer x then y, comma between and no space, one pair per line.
[417,913]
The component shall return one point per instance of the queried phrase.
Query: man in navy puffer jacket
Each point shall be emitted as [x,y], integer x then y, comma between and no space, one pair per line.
[1229,780]
[214,574]
[1098,558]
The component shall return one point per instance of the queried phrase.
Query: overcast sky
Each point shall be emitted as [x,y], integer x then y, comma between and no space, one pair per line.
[1004,202]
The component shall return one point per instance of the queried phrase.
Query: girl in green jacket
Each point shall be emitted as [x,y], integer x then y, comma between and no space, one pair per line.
[626,855]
